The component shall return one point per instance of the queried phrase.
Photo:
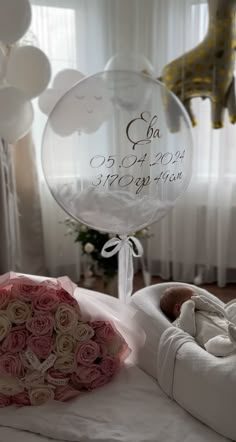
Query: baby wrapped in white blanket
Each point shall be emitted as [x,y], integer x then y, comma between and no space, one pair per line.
[202,318]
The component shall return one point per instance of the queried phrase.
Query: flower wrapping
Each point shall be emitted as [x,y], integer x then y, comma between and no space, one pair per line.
[49,349]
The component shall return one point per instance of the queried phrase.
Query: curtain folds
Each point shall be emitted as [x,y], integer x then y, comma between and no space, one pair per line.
[10,251]
[29,208]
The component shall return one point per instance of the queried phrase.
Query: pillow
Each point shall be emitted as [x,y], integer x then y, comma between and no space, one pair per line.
[48,348]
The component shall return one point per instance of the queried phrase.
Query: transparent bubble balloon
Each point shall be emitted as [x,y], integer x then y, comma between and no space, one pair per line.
[130,62]
[117,151]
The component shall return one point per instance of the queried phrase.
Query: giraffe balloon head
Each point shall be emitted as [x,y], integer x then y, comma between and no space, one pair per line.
[207,71]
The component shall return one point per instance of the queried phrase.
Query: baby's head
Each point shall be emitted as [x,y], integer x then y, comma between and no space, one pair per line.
[172,299]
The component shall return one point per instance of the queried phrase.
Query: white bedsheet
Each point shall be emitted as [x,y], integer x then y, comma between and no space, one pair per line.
[132,408]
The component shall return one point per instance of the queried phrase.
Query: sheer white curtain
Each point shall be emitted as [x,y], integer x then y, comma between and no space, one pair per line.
[198,235]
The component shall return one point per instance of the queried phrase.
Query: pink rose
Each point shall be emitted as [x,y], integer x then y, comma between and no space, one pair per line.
[21,399]
[109,365]
[5,296]
[46,301]
[5,325]
[86,375]
[106,331]
[87,353]
[118,347]
[27,292]
[65,393]
[114,343]
[66,297]
[124,351]
[102,380]
[5,401]
[57,374]
[103,348]
[56,377]
[97,324]
[41,346]
[16,340]
[76,382]
[10,364]
[40,324]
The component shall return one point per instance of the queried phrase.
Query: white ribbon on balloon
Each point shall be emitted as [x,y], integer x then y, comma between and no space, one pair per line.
[124,245]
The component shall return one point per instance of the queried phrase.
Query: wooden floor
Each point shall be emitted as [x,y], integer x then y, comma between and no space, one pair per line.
[225,294]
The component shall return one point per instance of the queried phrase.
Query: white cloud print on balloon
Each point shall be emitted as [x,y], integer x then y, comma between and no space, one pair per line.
[83,112]
[25,71]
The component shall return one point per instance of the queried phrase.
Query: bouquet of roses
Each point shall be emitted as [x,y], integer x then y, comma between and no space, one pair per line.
[48,350]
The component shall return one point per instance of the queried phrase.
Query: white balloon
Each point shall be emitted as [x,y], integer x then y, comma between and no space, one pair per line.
[15,19]
[130,62]
[28,69]
[65,79]
[16,114]
[48,100]
[62,82]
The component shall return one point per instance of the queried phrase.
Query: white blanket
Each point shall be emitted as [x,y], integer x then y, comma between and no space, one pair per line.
[208,324]
[230,311]
[132,408]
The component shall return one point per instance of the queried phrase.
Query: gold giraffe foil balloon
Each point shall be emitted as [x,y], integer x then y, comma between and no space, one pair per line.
[207,71]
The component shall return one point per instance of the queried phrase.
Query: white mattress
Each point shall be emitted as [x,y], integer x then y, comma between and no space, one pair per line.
[130,409]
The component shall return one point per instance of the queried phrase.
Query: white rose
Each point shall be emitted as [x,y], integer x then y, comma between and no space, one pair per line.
[66,318]
[89,247]
[65,344]
[83,332]
[41,394]
[10,386]
[18,312]
[5,325]
[66,364]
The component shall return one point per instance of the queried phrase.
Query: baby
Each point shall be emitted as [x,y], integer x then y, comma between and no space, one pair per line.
[172,300]
[201,318]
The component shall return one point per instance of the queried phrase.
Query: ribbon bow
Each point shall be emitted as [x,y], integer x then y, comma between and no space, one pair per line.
[124,245]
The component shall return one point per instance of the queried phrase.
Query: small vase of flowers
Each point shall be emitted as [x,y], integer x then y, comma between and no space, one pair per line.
[94,264]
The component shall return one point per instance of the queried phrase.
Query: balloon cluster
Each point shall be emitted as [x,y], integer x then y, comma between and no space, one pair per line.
[24,71]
